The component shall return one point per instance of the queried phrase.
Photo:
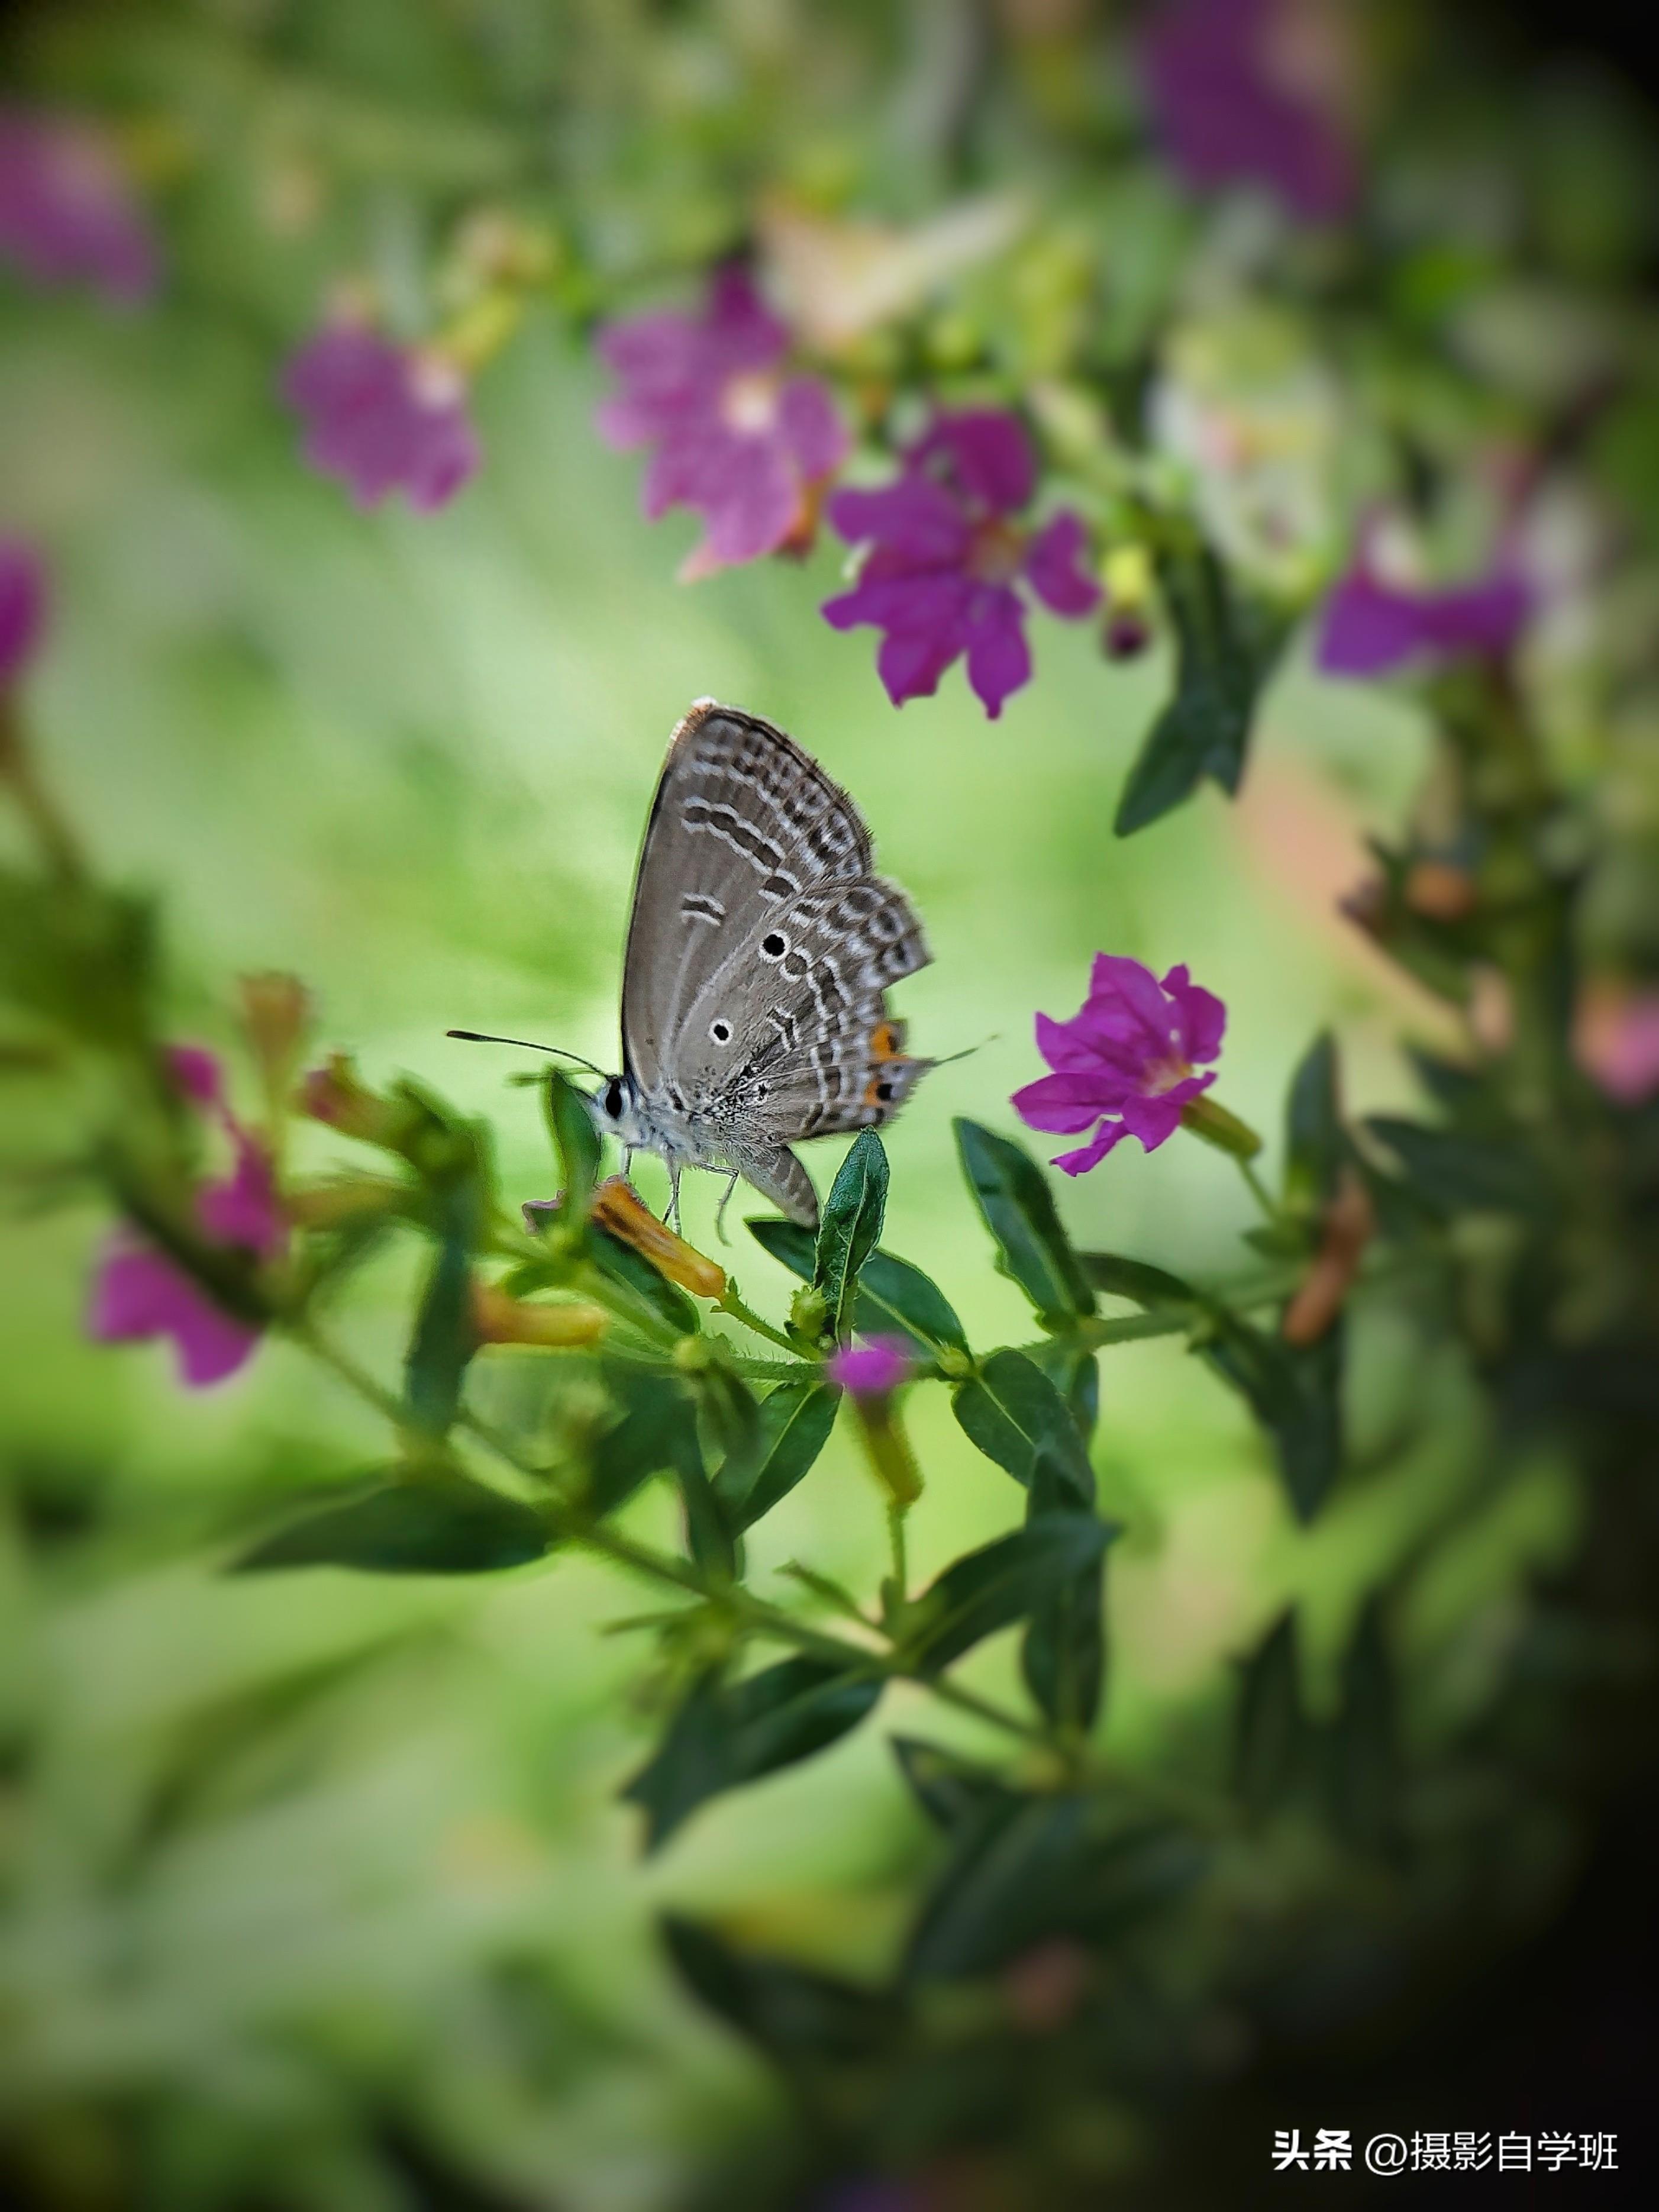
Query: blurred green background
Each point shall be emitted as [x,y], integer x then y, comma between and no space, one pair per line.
[319,1883]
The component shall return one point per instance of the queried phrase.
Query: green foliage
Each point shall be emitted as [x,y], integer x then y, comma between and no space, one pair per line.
[419,1524]
[893,1298]
[999,1584]
[1012,1412]
[1013,1195]
[1228,640]
[850,1229]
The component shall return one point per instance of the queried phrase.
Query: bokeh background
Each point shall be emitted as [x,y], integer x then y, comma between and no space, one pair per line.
[319,1883]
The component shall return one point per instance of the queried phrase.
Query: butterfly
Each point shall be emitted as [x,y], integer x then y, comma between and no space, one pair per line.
[760,952]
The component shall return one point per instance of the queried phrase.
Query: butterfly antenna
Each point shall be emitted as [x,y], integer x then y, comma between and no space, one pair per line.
[967,1052]
[559,1051]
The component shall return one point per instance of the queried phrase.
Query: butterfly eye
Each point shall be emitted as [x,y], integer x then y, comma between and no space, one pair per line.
[613,1098]
[775,945]
[720,1031]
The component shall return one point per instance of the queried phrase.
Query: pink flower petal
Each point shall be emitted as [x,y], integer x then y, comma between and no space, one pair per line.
[913,519]
[1063,1104]
[1201,1017]
[1053,564]
[810,428]
[988,455]
[999,659]
[1091,1155]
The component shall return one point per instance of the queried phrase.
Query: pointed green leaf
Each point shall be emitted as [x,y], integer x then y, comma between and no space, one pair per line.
[1074,1371]
[851,1228]
[444,1340]
[1010,1409]
[1271,1730]
[791,2012]
[949,1789]
[710,1537]
[796,1420]
[1063,1657]
[1457,1174]
[427,1526]
[1317,1145]
[1002,1583]
[1149,1286]
[575,1140]
[1227,642]
[731,1424]
[657,1432]
[1013,1196]
[727,1734]
[894,1298]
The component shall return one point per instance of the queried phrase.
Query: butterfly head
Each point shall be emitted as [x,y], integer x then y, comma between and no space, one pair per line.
[615,1106]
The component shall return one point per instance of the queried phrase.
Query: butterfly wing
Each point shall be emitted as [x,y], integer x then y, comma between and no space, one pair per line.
[743,824]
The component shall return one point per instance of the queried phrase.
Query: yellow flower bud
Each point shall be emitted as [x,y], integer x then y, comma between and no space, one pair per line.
[1127,576]
[499,1319]
[619,1210]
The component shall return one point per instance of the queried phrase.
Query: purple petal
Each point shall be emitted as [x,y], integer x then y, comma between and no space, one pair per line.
[1201,1017]
[1053,565]
[195,1071]
[748,496]
[988,455]
[1115,981]
[1091,1155]
[999,659]
[23,608]
[1063,1104]
[66,215]
[810,428]
[871,1370]
[915,519]
[910,662]
[243,1210]
[1154,1121]
[1368,627]
[1482,618]
[379,420]
[139,1293]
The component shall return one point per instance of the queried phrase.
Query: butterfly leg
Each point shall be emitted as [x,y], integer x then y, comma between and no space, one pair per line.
[672,1216]
[731,1182]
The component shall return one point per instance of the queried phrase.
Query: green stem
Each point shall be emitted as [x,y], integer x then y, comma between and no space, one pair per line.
[896,1547]
[730,1303]
[1259,1191]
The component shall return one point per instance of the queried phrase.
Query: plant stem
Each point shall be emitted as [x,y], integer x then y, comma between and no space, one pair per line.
[1259,1190]
[896,1545]
[729,1303]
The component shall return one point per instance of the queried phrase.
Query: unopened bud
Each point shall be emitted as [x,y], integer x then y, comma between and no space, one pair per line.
[276,1013]
[333,1094]
[1346,1229]
[619,1210]
[808,1313]
[499,1319]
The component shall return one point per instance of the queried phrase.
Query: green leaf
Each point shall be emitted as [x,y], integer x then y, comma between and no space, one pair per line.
[1362,1761]
[427,1526]
[1063,1657]
[1271,1729]
[1227,642]
[444,1340]
[1013,1194]
[1002,1583]
[710,1537]
[82,957]
[1074,1371]
[1009,1409]
[1154,1288]
[576,1141]
[796,1420]
[657,1434]
[851,1228]
[726,1734]
[894,1298]
[1457,1174]
[791,2012]
[1025,1869]
[660,1297]
[732,1422]
[1316,1145]
[949,1789]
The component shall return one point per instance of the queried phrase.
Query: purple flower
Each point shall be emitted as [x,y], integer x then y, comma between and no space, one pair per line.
[66,216]
[1372,626]
[873,1369]
[1243,93]
[734,437]
[141,1292]
[22,609]
[944,559]
[1123,1064]
[381,417]
[1616,1040]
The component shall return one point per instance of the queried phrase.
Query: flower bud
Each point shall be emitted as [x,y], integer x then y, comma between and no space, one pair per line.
[276,1013]
[874,1368]
[619,1210]
[339,1199]
[499,1319]
[808,1313]
[1208,1118]
[332,1094]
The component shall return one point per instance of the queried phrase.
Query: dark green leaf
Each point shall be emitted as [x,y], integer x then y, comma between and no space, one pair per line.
[1362,1764]
[576,1141]
[1026,1869]
[444,1340]
[851,1228]
[1149,1286]
[796,1420]
[427,1526]
[1000,1583]
[1010,1409]
[658,1431]
[82,957]
[1317,1145]
[731,1424]
[1271,1730]
[789,2011]
[949,1789]
[1227,642]
[894,1298]
[635,1274]
[1063,1657]
[727,1734]
[1456,1174]
[1013,1195]
[1074,1371]
[710,1536]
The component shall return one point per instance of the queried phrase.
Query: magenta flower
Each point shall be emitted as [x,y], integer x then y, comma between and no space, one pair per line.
[66,215]
[1123,1064]
[1616,1040]
[140,1292]
[945,557]
[1372,626]
[22,609]
[734,436]
[873,1369]
[381,417]
[1241,93]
